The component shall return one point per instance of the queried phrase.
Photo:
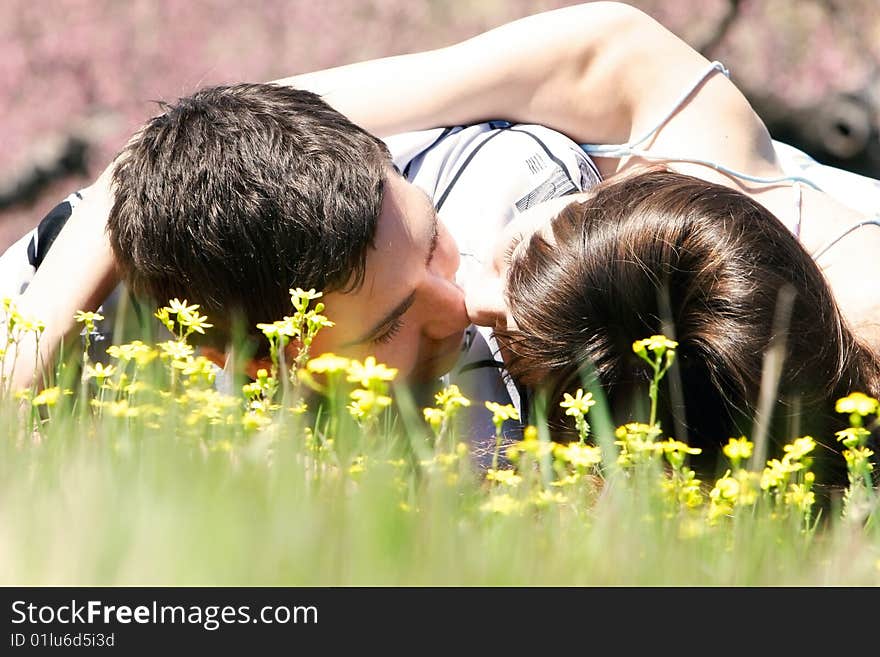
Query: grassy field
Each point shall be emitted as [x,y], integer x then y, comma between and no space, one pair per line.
[141,472]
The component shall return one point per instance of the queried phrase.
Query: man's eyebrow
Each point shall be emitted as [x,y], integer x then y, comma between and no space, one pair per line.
[385,322]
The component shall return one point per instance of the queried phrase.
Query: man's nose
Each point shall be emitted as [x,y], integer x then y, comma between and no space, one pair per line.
[484,300]
[447,314]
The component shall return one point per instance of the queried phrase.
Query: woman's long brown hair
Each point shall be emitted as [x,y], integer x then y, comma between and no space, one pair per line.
[665,252]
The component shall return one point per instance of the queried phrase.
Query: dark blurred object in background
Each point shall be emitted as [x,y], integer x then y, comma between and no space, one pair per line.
[841,130]
[840,125]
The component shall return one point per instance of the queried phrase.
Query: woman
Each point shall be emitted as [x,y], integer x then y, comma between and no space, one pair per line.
[720,259]
[660,251]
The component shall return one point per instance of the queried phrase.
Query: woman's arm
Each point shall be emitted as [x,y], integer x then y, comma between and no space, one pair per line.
[527,70]
[600,72]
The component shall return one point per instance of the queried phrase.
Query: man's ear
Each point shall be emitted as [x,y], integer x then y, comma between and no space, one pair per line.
[221,359]
[292,351]
[253,365]
[214,355]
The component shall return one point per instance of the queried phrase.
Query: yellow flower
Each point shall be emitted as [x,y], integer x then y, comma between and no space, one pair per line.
[638,445]
[181,308]
[580,456]
[506,477]
[253,389]
[88,318]
[690,494]
[637,429]
[447,460]
[358,466]
[99,371]
[197,369]
[749,485]
[738,449]
[798,449]
[547,497]
[726,488]
[656,343]
[502,412]
[48,397]
[316,321]
[777,472]
[741,489]
[197,323]
[367,402]
[136,350]
[163,316]
[21,323]
[502,504]
[175,349]
[450,397]
[299,293]
[578,405]
[22,394]
[719,510]
[853,436]
[800,497]
[858,403]
[119,409]
[670,446]
[299,408]
[859,457]
[301,298]
[279,328]
[328,363]
[369,372]
[532,445]
[434,417]
[568,480]
[252,421]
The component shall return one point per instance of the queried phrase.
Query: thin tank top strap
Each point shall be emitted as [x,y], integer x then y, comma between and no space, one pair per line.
[873,221]
[631,148]
[612,150]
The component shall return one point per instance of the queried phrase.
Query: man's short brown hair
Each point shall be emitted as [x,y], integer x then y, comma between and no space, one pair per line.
[237,193]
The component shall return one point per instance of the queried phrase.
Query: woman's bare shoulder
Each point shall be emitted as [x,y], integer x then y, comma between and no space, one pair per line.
[846,249]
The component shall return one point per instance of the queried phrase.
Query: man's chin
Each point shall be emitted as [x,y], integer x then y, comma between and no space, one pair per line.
[437,362]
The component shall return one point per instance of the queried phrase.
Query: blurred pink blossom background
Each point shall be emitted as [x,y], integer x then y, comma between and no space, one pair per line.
[90,68]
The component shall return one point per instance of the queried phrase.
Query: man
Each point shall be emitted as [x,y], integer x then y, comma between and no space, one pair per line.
[235,194]
[413,312]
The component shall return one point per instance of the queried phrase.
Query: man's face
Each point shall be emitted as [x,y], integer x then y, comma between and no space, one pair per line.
[409,313]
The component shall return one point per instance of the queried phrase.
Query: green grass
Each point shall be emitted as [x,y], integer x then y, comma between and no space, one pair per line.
[100,504]
[175,495]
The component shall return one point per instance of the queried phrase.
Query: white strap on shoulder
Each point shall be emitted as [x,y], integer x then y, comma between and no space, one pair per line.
[631,148]
[611,150]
